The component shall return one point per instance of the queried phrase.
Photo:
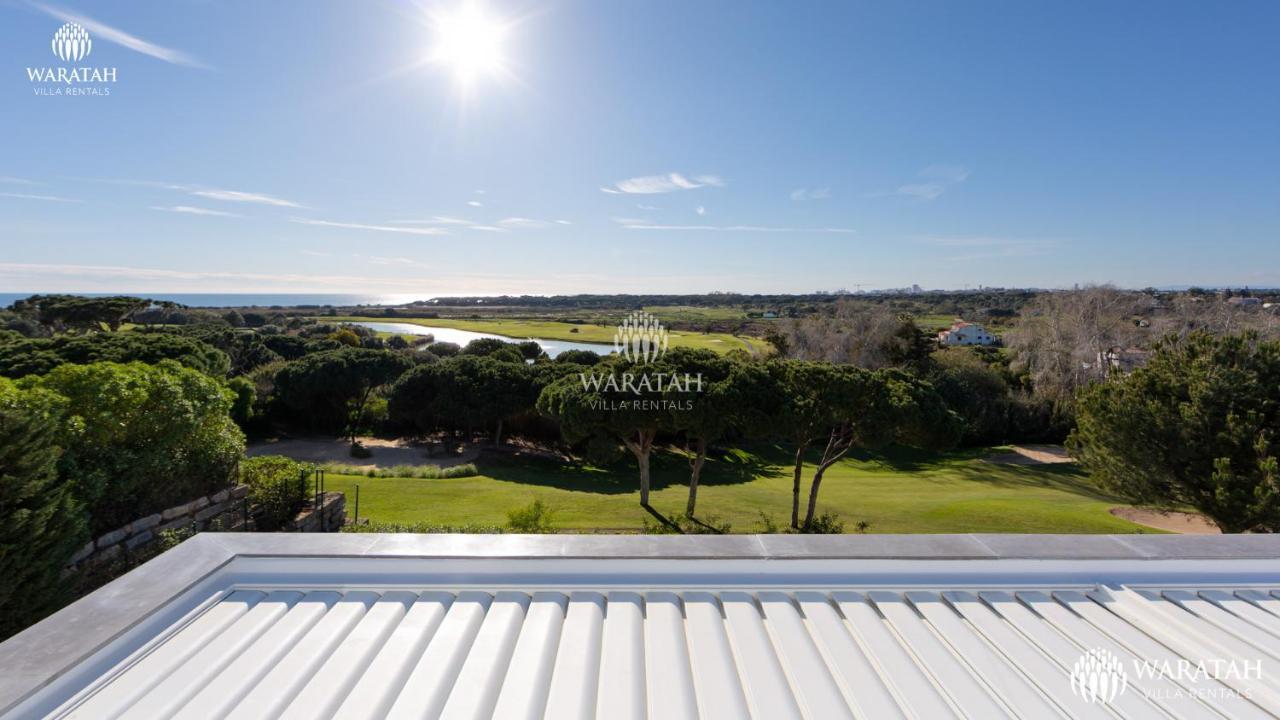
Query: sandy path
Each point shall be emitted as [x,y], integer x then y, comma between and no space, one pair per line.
[386,453]
[1031,455]
[1173,521]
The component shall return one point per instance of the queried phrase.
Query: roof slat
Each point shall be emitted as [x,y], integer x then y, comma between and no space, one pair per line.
[763,678]
[994,669]
[715,674]
[817,690]
[486,665]
[167,697]
[147,671]
[973,698]
[1062,651]
[381,682]
[861,682]
[428,686]
[667,665]
[524,691]
[622,679]
[1146,647]
[328,687]
[575,678]
[914,686]
[234,682]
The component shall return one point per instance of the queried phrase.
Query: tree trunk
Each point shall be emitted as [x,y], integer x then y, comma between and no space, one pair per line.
[694,475]
[497,435]
[795,484]
[813,495]
[837,446]
[641,447]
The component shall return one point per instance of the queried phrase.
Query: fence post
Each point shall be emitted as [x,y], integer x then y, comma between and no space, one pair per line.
[244,514]
[357,520]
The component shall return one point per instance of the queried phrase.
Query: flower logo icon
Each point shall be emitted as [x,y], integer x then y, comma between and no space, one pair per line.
[1098,677]
[71,43]
[640,338]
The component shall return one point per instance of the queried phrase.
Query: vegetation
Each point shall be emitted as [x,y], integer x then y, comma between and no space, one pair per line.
[20,357]
[41,521]
[422,472]
[532,518]
[141,438]
[1198,427]
[277,488]
[329,391]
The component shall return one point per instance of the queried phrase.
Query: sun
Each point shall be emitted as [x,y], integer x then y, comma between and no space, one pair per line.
[469,41]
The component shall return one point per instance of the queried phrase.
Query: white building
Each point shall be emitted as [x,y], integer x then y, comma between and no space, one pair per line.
[966,333]
[241,625]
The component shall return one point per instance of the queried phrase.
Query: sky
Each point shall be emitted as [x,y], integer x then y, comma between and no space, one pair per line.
[635,146]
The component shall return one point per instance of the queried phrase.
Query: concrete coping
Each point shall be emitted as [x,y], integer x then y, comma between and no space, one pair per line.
[40,654]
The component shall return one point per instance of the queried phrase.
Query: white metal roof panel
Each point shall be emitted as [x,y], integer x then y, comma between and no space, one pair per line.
[669,654]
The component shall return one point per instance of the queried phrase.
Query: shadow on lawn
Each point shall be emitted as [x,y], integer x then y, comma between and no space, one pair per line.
[667,468]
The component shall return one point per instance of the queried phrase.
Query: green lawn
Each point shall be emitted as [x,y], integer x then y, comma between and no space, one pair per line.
[552,330]
[901,493]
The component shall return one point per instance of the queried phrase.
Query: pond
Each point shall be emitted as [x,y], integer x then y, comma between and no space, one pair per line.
[462,337]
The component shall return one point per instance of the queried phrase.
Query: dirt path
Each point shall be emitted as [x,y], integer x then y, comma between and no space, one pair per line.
[386,453]
[1173,521]
[1031,455]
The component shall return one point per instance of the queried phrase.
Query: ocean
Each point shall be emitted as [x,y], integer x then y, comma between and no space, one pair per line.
[247,299]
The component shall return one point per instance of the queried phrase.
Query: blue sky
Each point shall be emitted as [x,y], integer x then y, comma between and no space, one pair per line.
[643,146]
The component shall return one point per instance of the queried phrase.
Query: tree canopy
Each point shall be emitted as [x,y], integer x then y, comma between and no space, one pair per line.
[1197,426]
[329,390]
[37,356]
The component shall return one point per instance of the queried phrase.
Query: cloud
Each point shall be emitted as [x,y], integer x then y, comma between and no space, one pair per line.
[982,247]
[642,206]
[189,210]
[375,228]
[655,184]
[934,181]
[700,210]
[239,196]
[821,193]
[563,222]
[102,31]
[115,273]
[47,198]
[475,203]
[17,180]
[317,253]
[633,224]
[523,222]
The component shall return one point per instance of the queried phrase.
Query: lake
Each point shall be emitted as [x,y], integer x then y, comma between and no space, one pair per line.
[462,337]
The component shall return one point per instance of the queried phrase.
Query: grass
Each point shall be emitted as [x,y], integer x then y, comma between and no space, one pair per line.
[902,492]
[552,330]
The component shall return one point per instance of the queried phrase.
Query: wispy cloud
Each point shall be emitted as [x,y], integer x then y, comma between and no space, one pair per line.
[47,198]
[375,228]
[475,203]
[17,180]
[700,210]
[190,210]
[240,196]
[523,222]
[982,247]
[563,222]
[821,193]
[102,31]
[932,182]
[643,206]
[634,224]
[655,184]
[115,273]
[317,253]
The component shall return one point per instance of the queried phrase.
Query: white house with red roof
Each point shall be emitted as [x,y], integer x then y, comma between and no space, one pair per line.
[966,333]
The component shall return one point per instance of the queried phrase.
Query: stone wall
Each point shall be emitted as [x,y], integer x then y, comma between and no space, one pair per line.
[200,513]
[330,518]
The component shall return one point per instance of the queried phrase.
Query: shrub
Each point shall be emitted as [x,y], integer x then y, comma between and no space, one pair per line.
[828,523]
[421,527]
[359,451]
[532,518]
[425,472]
[277,488]
[41,524]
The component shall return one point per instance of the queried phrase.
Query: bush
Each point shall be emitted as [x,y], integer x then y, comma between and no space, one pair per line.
[532,518]
[421,527]
[41,524]
[277,488]
[828,523]
[425,472]
[142,438]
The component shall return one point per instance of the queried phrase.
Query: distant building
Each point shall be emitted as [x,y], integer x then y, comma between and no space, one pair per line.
[769,314]
[966,333]
[1244,301]
[1124,359]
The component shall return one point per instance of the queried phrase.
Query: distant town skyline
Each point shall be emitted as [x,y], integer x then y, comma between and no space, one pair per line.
[481,148]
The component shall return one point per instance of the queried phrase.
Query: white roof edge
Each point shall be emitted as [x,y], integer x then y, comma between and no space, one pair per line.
[144,599]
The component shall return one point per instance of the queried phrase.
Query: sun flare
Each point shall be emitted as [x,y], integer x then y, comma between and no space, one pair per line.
[469,42]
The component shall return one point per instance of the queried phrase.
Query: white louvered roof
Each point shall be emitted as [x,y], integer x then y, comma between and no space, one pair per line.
[811,653]
[976,627]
